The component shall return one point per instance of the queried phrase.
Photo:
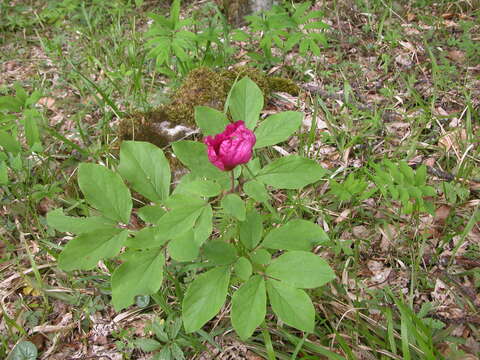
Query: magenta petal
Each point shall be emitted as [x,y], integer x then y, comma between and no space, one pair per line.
[231,147]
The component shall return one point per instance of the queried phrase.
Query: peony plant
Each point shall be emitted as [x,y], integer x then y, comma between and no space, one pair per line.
[217,223]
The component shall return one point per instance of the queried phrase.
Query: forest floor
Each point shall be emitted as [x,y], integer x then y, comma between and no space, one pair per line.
[394,81]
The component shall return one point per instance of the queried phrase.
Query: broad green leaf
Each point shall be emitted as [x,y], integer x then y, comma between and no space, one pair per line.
[178,201]
[193,154]
[293,306]
[181,219]
[147,238]
[291,172]
[147,345]
[249,306]
[220,252]
[233,205]
[151,213]
[204,298]
[210,121]
[246,102]
[77,225]
[200,187]
[251,229]
[32,134]
[184,247]
[296,234]
[145,167]
[24,350]
[277,128]
[256,190]
[301,269]
[261,256]
[243,268]
[140,274]
[10,103]
[203,226]
[105,191]
[9,143]
[142,301]
[86,250]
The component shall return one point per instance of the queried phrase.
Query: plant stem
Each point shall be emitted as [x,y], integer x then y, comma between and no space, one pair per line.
[232,190]
[268,342]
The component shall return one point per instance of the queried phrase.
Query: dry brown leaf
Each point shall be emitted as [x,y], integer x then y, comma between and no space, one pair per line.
[48,102]
[457,56]
[441,214]
[452,139]
[343,216]
[389,235]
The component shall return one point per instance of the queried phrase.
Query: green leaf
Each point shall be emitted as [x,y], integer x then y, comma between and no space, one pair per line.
[210,121]
[246,102]
[77,225]
[251,229]
[151,213]
[249,306]
[10,103]
[9,143]
[233,205]
[140,274]
[177,352]
[32,134]
[243,268]
[184,247]
[147,238]
[174,328]
[142,301]
[200,187]
[277,128]
[204,298]
[204,226]
[181,219]
[261,257]
[159,331]
[220,252]
[175,11]
[301,269]
[193,154]
[291,172]
[292,306]
[420,176]
[86,250]
[256,190]
[148,345]
[24,350]
[297,234]
[145,167]
[3,173]
[105,191]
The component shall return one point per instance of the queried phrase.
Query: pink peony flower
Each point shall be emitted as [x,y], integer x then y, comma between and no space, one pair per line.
[231,147]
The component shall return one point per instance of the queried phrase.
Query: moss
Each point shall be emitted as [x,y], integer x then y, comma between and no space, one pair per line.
[279,84]
[203,86]
[141,126]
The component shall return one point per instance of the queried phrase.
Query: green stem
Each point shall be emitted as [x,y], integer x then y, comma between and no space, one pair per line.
[232,190]
[268,342]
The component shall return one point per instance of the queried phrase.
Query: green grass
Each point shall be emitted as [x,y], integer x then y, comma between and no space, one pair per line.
[90,58]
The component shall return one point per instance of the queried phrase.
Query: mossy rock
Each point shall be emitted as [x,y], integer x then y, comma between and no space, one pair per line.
[202,87]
